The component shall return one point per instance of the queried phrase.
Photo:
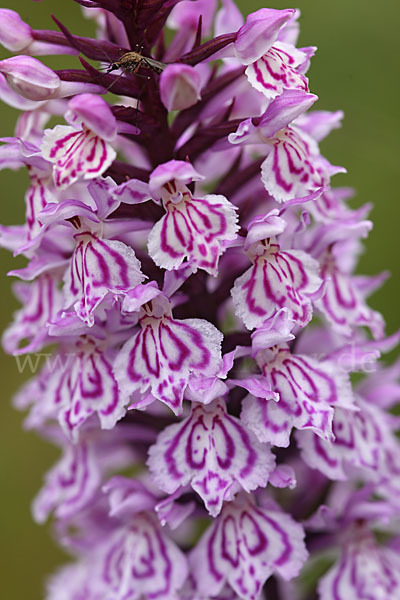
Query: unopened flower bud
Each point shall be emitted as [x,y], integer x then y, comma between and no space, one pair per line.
[15,35]
[30,78]
[33,80]
[179,86]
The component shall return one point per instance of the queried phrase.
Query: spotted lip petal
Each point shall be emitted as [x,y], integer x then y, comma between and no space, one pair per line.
[42,301]
[293,168]
[364,441]
[364,570]
[278,279]
[75,154]
[277,70]
[308,392]
[343,304]
[161,356]
[98,267]
[212,451]
[244,546]
[140,561]
[81,384]
[70,484]
[194,230]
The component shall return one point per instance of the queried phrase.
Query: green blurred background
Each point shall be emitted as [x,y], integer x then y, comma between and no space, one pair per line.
[355,69]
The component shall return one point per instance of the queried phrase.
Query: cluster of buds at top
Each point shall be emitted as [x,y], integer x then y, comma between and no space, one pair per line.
[194,268]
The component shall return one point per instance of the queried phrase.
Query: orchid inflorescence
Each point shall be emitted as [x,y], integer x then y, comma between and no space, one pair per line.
[191,264]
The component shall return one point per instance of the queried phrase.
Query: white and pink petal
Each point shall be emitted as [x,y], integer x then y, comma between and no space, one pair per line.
[70,485]
[276,71]
[163,354]
[76,154]
[140,561]
[293,168]
[98,267]
[277,280]
[214,453]
[343,304]
[244,546]
[308,392]
[42,300]
[364,571]
[364,442]
[195,230]
[82,384]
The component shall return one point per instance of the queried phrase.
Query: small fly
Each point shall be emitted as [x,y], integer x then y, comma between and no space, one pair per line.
[131,62]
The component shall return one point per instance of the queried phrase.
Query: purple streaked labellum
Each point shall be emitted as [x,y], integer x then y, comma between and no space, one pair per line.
[70,484]
[140,561]
[308,392]
[81,384]
[75,154]
[160,357]
[343,303]
[196,230]
[42,300]
[277,70]
[244,546]
[74,482]
[277,280]
[292,169]
[98,267]
[213,452]
[365,442]
[135,561]
[84,150]
[364,570]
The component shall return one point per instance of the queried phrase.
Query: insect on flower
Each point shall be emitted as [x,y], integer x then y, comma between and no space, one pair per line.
[131,62]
